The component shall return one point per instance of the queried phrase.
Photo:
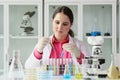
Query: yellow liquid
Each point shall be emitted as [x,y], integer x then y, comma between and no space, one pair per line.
[78,76]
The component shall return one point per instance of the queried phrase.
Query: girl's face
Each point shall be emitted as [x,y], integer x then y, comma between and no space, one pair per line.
[61,25]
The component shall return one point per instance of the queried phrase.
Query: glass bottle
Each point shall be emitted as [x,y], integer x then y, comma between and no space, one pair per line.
[16,71]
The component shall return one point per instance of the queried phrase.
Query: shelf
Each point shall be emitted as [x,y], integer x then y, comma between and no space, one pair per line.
[105,37]
[23,37]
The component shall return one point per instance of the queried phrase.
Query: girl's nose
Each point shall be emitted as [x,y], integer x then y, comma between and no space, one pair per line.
[59,27]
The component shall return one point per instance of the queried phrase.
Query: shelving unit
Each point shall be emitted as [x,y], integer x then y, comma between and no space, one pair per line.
[18,39]
[1,37]
[14,10]
[117,56]
[24,37]
[118,28]
[101,16]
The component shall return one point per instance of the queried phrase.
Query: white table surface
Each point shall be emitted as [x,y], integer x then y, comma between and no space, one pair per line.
[5,77]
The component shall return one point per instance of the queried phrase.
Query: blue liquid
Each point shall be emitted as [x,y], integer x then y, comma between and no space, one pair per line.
[67,77]
[46,75]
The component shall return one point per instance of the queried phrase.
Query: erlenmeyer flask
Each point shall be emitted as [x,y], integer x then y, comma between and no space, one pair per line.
[78,74]
[16,71]
[113,70]
[67,73]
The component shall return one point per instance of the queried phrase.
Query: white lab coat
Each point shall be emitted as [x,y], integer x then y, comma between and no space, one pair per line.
[33,62]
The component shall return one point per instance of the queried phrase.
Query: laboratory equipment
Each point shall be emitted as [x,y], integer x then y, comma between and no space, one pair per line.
[96,59]
[67,73]
[31,74]
[46,71]
[78,74]
[27,24]
[113,70]
[16,71]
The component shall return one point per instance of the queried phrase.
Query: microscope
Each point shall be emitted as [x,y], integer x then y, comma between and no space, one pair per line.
[27,24]
[96,59]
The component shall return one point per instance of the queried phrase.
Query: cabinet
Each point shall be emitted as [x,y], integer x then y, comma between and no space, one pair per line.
[88,15]
[117,57]
[118,27]
[20,32]
[102,17]
[1,37]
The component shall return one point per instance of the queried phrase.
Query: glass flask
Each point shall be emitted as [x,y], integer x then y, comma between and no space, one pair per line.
[78,73]
[67,73]
[16,71]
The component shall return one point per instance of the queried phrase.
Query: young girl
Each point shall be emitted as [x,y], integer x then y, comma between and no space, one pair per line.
[61,44]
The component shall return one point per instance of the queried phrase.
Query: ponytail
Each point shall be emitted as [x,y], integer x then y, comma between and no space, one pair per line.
[71,33]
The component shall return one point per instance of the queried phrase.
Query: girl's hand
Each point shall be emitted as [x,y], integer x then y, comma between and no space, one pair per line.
[72,48]
[42,43]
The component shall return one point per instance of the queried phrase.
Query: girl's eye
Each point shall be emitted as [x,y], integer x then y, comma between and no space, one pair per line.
[65,24]
[57,22]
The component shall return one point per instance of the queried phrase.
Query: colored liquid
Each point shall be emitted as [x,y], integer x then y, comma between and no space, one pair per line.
[46,75]
[67,77]
[78,76]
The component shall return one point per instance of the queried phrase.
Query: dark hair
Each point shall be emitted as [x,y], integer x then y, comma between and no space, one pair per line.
[67,11]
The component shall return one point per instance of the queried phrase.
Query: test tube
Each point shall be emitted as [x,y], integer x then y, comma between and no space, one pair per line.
[63,61]
[54,66]
[58,66]
[71,66]
[50,64]
[67,73]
